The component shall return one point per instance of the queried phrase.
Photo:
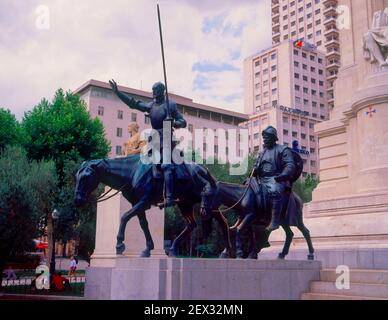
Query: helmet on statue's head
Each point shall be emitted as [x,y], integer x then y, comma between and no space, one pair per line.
[271,131]
[158,90]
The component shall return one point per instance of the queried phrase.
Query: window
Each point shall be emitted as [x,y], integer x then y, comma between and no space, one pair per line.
[119,150]
[100,111]
[305,90]
[304,55]
[296,52]
[297,99]
[312,58]
[258,97]
[294,134]
[257,63]
[297,88]
[274,91]
[191,128]
[304,66]
[312,69]
[296,64]
[147,120]
[294,122]
[312,150]
[311,125]
[257,74]
[273,68]
[273,56]
[305,78]
[303,123]
[255,123]
[303,135]
[285,132]
[285,119]
[265,71]
[256,136]
[313,163]
[119,114]
[119,132]
[133,117]
[265,60]
[274,79]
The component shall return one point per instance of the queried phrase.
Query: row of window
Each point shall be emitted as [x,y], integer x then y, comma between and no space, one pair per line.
[304,55]
[120,114]
[305,67]
[265,60]
[295,121]
[265,71]
[306,90]
[306,78]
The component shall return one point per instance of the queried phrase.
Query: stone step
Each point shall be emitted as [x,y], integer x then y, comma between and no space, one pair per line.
[323,296]
[356,289]
[358,276]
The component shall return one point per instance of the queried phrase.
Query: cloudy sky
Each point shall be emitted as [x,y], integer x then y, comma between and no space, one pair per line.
[205,44]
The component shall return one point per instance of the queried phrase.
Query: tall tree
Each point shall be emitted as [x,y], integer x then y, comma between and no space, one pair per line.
[27,192]
[63,131]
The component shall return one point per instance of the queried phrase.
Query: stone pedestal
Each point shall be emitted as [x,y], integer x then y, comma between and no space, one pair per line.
[349,211]
[109,213]
[200,279]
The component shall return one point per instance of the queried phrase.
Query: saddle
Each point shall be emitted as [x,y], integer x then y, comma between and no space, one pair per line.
[181,172]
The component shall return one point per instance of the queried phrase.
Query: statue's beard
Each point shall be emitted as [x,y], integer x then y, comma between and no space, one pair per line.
[159,99]
[269,144]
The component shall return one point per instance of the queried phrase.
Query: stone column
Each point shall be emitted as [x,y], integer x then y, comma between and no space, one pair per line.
[109,213]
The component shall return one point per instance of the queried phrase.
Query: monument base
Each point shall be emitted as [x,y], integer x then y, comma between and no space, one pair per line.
[123,278]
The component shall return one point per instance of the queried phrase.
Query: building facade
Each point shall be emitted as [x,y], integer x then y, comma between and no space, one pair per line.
[314,21]
[116,116]
[285,88]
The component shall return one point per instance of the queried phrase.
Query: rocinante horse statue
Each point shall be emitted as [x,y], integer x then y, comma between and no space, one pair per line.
[138,185]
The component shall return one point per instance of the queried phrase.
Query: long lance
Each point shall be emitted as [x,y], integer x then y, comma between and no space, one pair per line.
[164,65]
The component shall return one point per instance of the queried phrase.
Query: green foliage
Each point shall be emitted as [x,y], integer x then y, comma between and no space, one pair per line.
[63,130]
[27,190]
[10,132]
[305,187]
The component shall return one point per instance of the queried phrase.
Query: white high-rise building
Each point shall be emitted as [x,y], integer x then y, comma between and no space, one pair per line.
[285,88]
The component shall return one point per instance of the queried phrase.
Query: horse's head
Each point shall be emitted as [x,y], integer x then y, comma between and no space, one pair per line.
[86,182]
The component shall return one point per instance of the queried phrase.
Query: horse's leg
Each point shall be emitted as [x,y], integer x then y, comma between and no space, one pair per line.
[225,232]
[287,243]
[306,235]
[190,226]
[252,243]
[247,221]
[135,210]
[149,242]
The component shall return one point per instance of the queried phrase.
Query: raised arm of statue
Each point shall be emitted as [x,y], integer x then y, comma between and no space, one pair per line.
[128,100]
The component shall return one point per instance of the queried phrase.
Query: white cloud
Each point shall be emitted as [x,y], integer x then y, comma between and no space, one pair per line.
[102,40]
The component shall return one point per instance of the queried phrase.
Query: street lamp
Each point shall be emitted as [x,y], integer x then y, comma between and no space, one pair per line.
[55,216]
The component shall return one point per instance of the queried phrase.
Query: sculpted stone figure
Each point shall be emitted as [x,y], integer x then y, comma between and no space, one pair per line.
[275,168]
[134,144]
[158,112]
[376,39]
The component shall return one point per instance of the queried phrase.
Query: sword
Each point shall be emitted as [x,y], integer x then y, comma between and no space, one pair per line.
[164,66]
